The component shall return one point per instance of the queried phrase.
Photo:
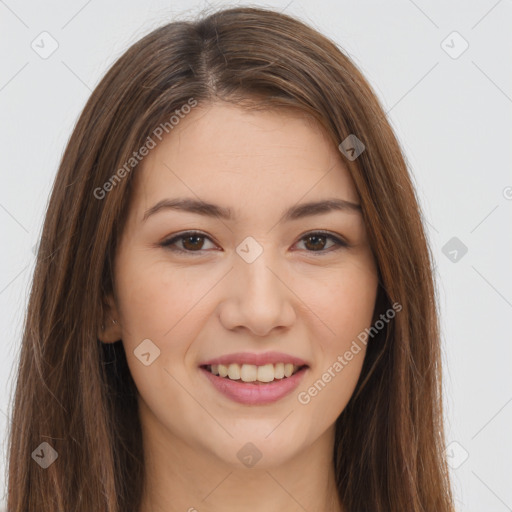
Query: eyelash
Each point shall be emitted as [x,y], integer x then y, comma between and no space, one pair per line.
[168,244]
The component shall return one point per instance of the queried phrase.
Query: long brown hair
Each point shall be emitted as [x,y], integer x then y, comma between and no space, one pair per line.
[76,393]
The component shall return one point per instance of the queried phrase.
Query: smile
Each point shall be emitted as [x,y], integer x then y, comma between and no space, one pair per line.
[252,373]
[254,385]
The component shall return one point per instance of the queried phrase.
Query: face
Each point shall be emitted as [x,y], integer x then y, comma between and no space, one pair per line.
[272,277]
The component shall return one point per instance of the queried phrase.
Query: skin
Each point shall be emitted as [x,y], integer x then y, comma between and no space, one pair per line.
[305,298]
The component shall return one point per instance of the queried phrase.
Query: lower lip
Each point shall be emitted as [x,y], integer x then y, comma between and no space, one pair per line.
[255,394]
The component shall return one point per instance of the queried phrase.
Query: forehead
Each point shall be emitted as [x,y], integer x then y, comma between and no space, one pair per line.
[248,158]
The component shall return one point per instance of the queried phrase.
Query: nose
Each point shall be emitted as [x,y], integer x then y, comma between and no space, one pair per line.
[256,297]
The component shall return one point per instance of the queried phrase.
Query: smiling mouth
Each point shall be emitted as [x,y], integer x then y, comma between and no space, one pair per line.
[250,373]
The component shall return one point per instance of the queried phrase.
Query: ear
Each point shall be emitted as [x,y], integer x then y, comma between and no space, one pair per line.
[109,330]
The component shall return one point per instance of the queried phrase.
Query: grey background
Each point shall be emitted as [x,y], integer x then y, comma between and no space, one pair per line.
[452,116]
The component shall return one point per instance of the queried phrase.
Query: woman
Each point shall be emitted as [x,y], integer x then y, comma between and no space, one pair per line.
[233,305]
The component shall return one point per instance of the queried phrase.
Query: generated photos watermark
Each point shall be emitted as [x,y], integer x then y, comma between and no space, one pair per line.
[158,133]
[304,397]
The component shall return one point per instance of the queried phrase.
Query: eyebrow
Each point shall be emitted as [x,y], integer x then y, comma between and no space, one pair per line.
[295,212]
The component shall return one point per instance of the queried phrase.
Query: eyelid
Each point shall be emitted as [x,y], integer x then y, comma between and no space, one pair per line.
[339,241]
[168,243]
[326,233]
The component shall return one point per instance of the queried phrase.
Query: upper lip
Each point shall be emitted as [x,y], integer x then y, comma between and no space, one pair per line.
[255,359]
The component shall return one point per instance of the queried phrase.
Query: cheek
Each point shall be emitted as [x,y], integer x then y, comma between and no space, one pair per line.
[327,392]
[343,301]
[155,301]
[353,303]
[344,305]
[161,306]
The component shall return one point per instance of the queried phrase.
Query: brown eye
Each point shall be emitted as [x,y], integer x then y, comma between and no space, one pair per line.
[190,242]
[193,242]
[316,242]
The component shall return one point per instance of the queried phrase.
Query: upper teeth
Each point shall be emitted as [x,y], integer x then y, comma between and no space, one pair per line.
[252,373]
